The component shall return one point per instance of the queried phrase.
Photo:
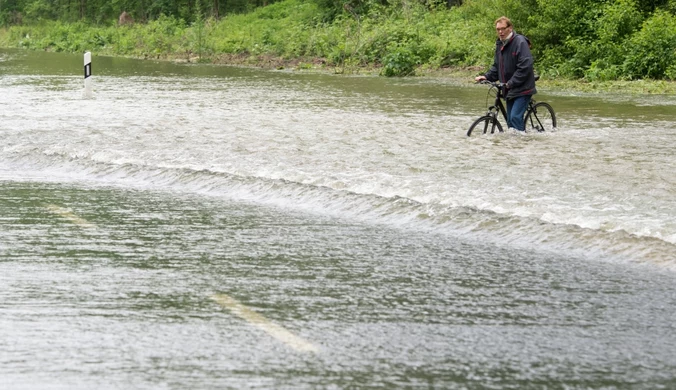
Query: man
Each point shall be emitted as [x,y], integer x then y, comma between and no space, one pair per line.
[513,67]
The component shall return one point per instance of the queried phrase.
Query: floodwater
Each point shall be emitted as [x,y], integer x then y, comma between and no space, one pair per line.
[203,227]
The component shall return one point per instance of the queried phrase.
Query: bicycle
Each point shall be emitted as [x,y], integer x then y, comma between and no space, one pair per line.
[539,116]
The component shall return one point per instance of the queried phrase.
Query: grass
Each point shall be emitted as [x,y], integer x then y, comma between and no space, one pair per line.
[291,35]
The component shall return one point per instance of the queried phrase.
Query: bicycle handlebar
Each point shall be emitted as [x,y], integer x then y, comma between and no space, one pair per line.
[493,83]
[498,84]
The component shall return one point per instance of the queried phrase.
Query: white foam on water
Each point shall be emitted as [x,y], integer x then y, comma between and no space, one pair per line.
[601,186]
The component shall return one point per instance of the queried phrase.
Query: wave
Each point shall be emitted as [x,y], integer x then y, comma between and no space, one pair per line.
[469,223]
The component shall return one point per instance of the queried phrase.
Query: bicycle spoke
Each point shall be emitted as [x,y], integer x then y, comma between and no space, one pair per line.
[540,117]
[483,125]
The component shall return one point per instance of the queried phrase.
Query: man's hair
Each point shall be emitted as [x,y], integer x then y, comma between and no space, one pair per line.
[504,19]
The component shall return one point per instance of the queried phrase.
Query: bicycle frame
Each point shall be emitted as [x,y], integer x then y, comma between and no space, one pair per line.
[499,106]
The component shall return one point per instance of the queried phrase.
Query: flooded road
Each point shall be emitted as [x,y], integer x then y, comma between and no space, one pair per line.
[213,227]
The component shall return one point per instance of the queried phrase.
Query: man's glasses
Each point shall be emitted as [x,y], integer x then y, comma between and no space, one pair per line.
[502,29]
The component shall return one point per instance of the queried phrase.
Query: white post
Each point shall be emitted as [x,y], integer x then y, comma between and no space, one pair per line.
[88,74]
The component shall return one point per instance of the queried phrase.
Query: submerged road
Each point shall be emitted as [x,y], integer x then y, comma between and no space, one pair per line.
[119,288]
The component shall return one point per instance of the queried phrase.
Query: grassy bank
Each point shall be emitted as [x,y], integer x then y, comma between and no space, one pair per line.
[410,40]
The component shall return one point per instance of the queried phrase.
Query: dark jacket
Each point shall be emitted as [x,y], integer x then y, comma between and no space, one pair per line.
[513,65]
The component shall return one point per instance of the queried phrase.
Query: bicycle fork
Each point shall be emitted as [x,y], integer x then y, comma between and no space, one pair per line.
[493,113]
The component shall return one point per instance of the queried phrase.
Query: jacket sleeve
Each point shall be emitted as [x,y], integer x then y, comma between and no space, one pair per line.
[524,63]
[492,74]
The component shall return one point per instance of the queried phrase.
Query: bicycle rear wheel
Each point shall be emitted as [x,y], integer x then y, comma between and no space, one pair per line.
[540,117]
[483,125]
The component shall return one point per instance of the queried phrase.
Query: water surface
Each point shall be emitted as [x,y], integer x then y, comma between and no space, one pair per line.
[215,227]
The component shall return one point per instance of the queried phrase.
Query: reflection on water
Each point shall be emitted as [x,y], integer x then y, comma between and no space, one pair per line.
[350,212]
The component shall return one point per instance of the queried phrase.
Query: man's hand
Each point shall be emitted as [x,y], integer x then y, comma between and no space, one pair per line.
[479,78]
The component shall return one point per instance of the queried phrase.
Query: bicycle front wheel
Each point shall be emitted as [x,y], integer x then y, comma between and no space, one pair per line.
[483,125]
[540,118]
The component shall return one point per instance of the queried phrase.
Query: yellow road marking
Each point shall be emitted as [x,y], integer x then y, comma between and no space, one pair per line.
[67,214]
[264,324]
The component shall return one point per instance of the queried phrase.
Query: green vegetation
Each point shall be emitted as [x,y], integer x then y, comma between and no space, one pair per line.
[592,40]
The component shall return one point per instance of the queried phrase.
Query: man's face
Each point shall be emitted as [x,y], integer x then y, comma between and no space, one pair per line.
[502,30]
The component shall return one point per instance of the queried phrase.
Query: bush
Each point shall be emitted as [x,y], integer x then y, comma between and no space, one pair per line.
[401,62]
[652,51]
[618,21]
